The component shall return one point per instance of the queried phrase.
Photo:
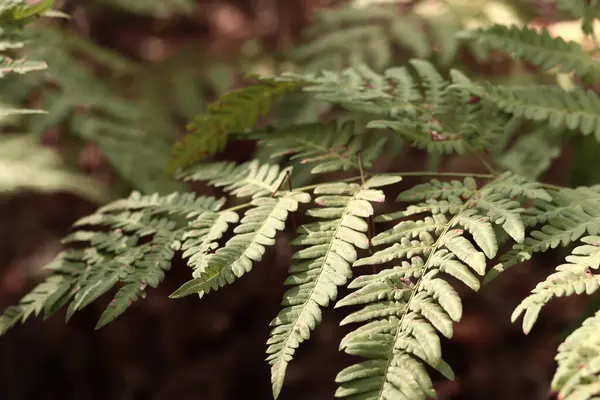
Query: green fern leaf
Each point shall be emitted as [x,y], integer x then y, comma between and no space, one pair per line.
[203,235]
[578,356]
[576,109]
[41,298]
[575,277]
[257,230]
[538,48]
[442,120]
[234,112]
[405,305]
[110,251]
[321,267]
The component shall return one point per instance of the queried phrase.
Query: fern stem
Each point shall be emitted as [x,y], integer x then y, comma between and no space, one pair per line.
[487,165]
[551,186]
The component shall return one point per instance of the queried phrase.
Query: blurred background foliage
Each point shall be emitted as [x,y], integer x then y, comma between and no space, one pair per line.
[123,79]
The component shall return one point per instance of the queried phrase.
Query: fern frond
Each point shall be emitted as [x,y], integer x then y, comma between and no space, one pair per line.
[332,147]
[349,36]
[129,243]
[538,48]
[564,218]
[441,120]
[126,130]
[576,109]
[234,112]
[248,179]
[257,230]
[320,267]
[575,277]
[405,305]
[578,357]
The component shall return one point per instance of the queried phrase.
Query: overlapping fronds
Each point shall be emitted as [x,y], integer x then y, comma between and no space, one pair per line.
[539,48]
[432,115]
[578,376]
[128,243]
[257,229]
[404,306]
[331,147]
[322,266]
[577,109]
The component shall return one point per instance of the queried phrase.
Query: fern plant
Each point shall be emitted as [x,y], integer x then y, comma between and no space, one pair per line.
[460,227]
[24,163]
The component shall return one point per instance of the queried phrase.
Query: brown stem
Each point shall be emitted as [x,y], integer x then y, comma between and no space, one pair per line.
[287,175]
[360,167]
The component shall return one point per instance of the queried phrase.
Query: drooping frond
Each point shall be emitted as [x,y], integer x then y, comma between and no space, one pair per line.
[441,119]
[578,376]
[539,48]
[322,266]
[577,276]
[128,243]
[234,112]
[257,230]
[577,109]
[405,305]
[331,147]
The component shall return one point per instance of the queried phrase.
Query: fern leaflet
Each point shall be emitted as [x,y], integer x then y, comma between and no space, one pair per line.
[400,315]
[538,48]
[321,267]
[578,356]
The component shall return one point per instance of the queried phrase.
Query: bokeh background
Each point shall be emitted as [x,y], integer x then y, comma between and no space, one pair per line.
[124,77]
